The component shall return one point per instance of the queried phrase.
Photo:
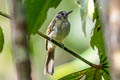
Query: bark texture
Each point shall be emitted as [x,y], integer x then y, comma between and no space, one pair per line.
[110,10]
[19,39]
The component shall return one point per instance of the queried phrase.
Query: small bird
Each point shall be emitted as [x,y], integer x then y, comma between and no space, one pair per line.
[58,29]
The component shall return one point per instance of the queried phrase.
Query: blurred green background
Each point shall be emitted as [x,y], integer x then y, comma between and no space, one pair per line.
[64,62]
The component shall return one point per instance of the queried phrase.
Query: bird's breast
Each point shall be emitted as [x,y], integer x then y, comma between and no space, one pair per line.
[62,30]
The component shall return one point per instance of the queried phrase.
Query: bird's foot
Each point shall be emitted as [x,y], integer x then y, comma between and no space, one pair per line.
[62,45]
[51,39]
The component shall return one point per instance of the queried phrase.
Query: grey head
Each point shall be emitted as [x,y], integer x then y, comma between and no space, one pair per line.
[62,15]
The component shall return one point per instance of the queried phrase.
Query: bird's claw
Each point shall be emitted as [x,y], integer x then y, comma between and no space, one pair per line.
[51,39]
[62,45]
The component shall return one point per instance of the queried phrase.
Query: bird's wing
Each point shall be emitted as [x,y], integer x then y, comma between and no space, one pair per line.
[49,29]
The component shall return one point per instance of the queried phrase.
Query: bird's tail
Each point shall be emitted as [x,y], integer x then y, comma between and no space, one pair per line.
[49,64]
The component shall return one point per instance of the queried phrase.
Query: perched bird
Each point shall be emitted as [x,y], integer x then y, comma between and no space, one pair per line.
[58,29]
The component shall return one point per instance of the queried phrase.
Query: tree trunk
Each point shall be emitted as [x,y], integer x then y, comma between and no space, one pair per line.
[19,38]
[111,18]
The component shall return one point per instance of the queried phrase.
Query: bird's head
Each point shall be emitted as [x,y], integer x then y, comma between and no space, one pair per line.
[62,15]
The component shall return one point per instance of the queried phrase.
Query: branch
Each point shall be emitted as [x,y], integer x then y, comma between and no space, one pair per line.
[68,50]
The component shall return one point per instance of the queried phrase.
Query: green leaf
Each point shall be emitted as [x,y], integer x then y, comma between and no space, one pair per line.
[83,13]
[1,39]
[98,41]
[37,12]
[97,38]
[93,74]
[105,75]
[75,76]
[88,74]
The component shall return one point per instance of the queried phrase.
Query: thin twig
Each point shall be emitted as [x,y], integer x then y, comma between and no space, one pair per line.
[4,15]
[66,49]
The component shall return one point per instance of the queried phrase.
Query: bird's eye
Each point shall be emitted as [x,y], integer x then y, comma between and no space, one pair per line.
[62,14]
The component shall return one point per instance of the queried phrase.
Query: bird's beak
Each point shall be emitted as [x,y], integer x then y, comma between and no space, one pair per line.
[69,12]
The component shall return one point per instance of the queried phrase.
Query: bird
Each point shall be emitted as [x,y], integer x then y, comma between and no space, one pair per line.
[58,30]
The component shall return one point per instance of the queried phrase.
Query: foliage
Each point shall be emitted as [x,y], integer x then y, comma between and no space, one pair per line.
[83,12]
[76,76]
[97,38]
[37,12]
[98,41]
[87,74]
[1,39]
[36,15]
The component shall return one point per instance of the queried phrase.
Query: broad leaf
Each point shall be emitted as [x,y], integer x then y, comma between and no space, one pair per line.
[75,76]
[37,12]
[1,39]
[97,38]
[93,74]
[83,12]
[105,75]
[98,41]
[88,74]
